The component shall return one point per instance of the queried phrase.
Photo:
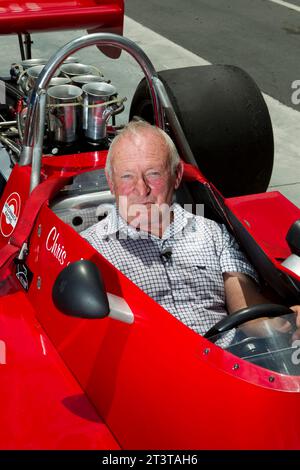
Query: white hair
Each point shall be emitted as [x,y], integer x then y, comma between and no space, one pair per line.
[135,128]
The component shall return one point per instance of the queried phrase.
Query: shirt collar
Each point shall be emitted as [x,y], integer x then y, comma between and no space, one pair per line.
[114,224]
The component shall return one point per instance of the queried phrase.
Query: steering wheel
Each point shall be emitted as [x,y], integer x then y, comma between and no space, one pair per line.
[246,314]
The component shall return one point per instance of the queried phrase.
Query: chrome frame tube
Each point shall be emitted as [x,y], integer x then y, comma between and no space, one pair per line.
[172,119]
[14,147]
[38,139]
[34,128]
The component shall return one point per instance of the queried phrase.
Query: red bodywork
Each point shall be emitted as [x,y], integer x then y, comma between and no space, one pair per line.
[47,15]
[153,384]
[69,383]
[51,15]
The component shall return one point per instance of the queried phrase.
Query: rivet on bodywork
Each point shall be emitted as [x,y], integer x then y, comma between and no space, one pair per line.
[39,282]
[236,367]
[39,230]
[271,378]
[206,351]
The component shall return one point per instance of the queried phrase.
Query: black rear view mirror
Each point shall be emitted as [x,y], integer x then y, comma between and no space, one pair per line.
[293,237]
[79,291]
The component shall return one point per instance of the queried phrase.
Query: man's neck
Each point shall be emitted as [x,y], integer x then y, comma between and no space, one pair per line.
[155,224]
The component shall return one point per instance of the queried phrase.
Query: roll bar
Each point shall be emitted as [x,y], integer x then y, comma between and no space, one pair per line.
[35,123]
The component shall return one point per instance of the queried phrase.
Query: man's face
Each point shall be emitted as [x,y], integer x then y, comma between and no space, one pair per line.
[141,173]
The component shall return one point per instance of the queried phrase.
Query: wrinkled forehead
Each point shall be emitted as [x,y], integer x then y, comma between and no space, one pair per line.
[144,147]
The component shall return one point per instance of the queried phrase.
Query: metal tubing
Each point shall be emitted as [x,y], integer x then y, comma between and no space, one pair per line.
[39,138]
[103,39]
[8,123]
[10,144]
[34,128]
[27,42]
[172,119]
[21,46]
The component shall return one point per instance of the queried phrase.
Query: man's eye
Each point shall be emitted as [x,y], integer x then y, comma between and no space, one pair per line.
[126,176]
[154,174]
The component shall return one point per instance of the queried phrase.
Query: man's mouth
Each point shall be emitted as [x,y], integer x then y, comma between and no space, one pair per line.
[145,203]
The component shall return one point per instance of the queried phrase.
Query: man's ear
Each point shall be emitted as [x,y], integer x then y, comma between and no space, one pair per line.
[110,182]
[178,174]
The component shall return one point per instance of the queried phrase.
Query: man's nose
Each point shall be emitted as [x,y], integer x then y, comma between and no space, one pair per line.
[142,187]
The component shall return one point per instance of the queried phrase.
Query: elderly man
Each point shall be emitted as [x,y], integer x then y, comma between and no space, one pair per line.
[190,265]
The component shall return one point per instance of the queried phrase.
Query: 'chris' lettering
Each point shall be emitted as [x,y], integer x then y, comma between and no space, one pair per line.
[53,245]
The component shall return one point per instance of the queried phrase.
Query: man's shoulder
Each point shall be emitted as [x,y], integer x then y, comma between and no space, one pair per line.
[198,221]
[103,228]
[88,232]
[209,225]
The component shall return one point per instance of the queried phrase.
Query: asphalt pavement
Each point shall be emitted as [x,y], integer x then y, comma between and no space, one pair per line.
[258,35]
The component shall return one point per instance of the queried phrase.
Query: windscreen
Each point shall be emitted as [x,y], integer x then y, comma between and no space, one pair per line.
[270,343]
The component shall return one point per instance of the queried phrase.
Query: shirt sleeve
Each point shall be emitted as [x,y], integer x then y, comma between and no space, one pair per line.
[232,258]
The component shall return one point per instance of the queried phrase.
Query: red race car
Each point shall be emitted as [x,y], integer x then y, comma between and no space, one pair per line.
[87,359]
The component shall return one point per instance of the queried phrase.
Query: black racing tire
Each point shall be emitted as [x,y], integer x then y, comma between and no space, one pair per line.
[226,122]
